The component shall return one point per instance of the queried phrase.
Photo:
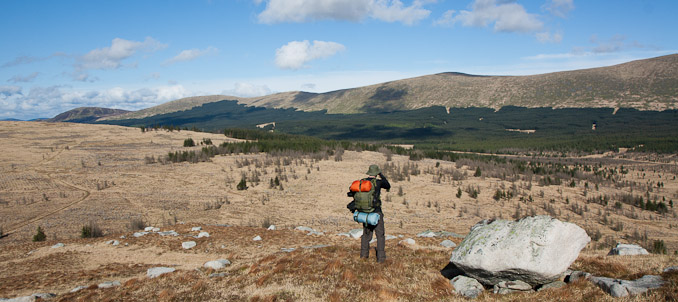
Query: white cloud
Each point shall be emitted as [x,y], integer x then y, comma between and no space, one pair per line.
[447,19]
[23,79]
[248,90]
[279,11]
[111,57]
[50,101]
[507,16]
[547,37]
[191,54]
[559,8]
[295,54]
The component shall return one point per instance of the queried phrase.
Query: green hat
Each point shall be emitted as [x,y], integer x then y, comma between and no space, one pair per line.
[373,170]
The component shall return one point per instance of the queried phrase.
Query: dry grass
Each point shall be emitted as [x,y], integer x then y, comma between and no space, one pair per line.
[156,194]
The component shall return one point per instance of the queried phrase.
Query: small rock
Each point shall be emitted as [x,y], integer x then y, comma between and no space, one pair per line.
[77,289]
[448,243]
[113,242]
[514,285]
[671,269]
[408,241]
[355,233]
[555,284]
[109,284]
[148,229]
[31,298]
[58,245]
[195,229]
[157,271]
[288,249]
[627,249]
[576,275]
[203,234]
[168,233]
[317,246]
[427,234]
[467,287]
[155,230]
[304,229]
[188,244]
[635,287]
[617,290]
[387,237]
[123,237]
[257,238]
[139,234]
[217,264]
[271,228]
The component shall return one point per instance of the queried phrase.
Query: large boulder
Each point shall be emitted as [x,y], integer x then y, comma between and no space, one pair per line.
[536,250]
[627,249]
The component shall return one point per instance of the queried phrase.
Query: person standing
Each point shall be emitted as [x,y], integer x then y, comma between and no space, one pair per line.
[380,181]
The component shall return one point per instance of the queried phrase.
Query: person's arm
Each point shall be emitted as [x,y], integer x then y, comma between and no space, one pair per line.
[384,182]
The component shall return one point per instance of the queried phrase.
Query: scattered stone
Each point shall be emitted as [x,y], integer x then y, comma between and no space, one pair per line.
[576,275]
[271,228]
[257,238]
[217,264]
[467,287]
[155,230]
[317,246]
[58,245]
[507,287]
[309,230]
[408,241]
[671,269]
[627,249]
[288,249]
[109,284]
[536,250]
[554,284]
[355,233]
[123,237]
[448,243]
[139,234]
[157,271]
[195,229]
[188,245]
[77,289]
[168,233]
[427,234]
[31,298]
[623,288]
[148,229]
[203,234]
[113,242]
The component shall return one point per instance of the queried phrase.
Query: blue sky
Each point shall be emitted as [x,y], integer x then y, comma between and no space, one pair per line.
[59,55]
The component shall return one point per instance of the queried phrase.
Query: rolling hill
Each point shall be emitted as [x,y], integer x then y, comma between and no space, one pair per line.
[650,84]
[86,114]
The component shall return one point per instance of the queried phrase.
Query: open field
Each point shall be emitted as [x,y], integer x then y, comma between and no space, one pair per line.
[63,176]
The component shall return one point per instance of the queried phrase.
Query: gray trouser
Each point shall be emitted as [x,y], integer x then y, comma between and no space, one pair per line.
[367,237]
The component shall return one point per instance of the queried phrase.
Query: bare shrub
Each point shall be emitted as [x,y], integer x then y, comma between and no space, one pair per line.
[91,230]
[137,223]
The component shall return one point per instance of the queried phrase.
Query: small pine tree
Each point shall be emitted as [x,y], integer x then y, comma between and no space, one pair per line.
[189,142]
[40,235]
[477,173]
[242,185]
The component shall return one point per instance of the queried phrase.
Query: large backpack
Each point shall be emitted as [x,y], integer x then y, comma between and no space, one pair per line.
[364,194]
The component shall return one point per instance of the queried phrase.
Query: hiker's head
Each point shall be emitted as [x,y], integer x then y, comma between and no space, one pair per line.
[373,170]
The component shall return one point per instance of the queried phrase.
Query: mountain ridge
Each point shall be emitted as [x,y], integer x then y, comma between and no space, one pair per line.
[647,84]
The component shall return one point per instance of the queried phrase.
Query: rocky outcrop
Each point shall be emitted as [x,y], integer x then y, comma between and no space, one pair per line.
[536,250]
[623,288]
[627,249]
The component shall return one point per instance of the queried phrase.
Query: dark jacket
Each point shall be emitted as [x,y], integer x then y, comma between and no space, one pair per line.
[381,183]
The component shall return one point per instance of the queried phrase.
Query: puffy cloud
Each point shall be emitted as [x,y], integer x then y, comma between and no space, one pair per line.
[248,90]
[559,8]
[547,37]
[50,101]
[191,54]
[507,16]
[278,11]
[111,57]
[295,54]
[22,79]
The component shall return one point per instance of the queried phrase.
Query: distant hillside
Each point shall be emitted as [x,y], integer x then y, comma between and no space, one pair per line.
[650,84]
[86,114]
